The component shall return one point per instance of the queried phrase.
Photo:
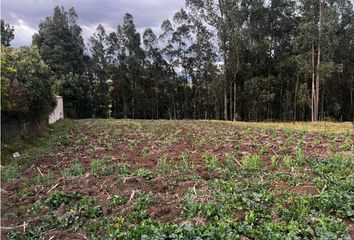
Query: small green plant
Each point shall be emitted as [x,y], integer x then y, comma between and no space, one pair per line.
[109,146]
[10,172]
[58,198]
[288,161]
[185,167]
[88,208]
[143,200]
[299,156]
[211,161]
[145,173]
[163,166]
[64,140]
[274,161]
[75,171]
[124,170]
[145,152]
[96,166]
[118,199]
[251,162]
[36,207]
[230,163]
[348,142]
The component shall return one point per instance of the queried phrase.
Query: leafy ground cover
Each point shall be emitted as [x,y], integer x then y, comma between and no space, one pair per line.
[116,179]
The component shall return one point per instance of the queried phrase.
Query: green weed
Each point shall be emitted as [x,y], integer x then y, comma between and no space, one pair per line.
[253,162]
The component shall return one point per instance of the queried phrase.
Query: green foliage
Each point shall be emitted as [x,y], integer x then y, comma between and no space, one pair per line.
[59,198]
[313,200]
[163,166]
[7,33]
[96,165]
[184,166]
[288,161]
[76,170]
[260,94]
[30,80]
[251,162]
[119,199]
[60,42]
[145,173]
[10,172]
[124,170]
[274,160]
[211,161]
[76,90]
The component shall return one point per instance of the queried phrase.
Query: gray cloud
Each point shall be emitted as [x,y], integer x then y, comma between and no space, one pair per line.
[26,15]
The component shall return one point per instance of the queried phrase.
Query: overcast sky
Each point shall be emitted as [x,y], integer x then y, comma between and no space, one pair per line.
[25,15]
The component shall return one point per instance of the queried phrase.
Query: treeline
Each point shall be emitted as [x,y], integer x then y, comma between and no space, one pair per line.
[226,59]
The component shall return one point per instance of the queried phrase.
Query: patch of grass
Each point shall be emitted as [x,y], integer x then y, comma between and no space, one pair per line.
[96,166]
[211,161]
[145,173]
[288,161]
[253,162]
[124,170]
[274,160]
[185,167]
[163,166]
[299,156]
[10,172]
[230,166]
[76,170]
[118,199]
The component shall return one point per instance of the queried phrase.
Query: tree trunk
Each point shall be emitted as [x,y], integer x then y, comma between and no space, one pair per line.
[322,103]
[313,92]
[351,96]
[317,84]
[225,102]
[235,113]
[295,99]
[230,94]
[174,107]
[125,107]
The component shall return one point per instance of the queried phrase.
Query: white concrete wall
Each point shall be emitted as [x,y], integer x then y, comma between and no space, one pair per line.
[58,112]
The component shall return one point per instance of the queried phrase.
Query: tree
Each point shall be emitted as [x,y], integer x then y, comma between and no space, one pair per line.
[156,67]
[60,42]
[77,92]
[27,83]
[215,13]
[99,47]
[131,57]
[7,33]
[230,59]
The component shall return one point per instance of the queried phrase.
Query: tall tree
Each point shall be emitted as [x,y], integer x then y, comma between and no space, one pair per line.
[60,42]
[99,48]
[7,33]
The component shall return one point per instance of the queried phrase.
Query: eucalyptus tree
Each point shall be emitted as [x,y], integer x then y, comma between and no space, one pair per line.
[282,21]
[340,94]
[60,42]
[214,13]
[158,72]
[128,57]
[99,47]
[201,68]
[318,40]
[168,52]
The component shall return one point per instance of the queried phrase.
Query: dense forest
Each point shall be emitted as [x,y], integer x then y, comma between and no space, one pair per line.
[250,60]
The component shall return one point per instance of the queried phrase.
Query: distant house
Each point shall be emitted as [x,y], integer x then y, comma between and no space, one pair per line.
[58,112]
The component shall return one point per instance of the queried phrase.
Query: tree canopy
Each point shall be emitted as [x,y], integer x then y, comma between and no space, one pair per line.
[225,59]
